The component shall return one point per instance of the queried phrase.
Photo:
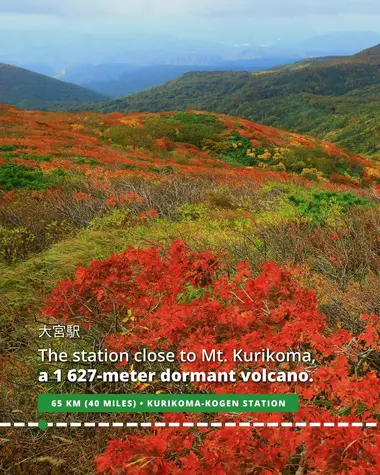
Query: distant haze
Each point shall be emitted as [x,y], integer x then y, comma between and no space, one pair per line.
[50,35]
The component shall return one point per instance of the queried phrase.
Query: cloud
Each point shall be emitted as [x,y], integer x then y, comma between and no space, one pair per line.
[190,8]
[289,8]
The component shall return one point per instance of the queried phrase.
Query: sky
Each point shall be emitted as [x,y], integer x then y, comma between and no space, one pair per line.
[322,14]
[46,23]
[191,8]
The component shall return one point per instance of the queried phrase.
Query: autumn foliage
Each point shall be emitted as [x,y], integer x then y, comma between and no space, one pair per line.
[185,300]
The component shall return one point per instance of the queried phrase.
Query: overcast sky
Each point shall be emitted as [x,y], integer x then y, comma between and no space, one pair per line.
[322,15]
[251,22]
[192,8]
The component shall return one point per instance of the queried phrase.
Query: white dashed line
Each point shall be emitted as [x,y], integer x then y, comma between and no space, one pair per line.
[189,424]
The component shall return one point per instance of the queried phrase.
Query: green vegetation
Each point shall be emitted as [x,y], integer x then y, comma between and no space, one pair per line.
[312,163]
[164,170]
[27,90]
[300,159]
[32,157]
[319,206]
[194,129]
[237,150]
[15,243]
[338,100]
[9,148]
[19,176]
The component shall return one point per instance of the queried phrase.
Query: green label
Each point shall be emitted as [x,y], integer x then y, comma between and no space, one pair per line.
[168,403]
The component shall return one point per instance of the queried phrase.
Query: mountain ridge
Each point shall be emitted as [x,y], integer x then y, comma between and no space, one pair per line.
[369,52]
[335,98]
[29,90]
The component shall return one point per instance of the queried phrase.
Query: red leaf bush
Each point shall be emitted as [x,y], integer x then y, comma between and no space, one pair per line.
[185,300]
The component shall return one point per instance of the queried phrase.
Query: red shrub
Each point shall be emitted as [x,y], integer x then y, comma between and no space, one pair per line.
[186,300]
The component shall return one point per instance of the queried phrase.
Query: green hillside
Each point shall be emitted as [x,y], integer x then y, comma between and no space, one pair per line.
[336,98]
[27,90]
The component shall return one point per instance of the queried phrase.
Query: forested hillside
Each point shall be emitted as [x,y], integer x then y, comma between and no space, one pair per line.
[25,89]
[338,100]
